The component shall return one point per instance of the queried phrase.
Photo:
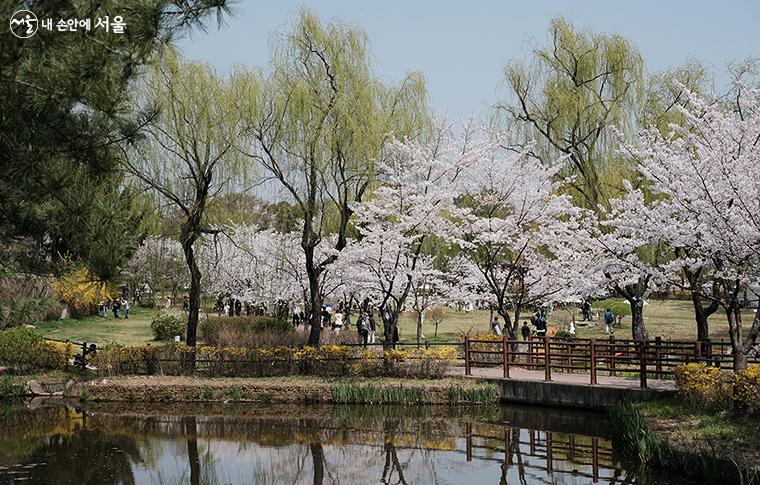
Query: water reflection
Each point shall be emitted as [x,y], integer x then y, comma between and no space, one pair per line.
[214,444]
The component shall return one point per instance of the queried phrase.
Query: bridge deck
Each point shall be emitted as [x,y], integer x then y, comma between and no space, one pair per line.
[520,374]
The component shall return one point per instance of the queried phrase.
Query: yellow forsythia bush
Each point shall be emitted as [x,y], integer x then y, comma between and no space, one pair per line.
[747,389]
[710,388]
[80,292]
[703,386]
[327,360]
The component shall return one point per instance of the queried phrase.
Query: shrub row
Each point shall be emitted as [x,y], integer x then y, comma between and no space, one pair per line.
[327,360]
[23,350]
[713,389]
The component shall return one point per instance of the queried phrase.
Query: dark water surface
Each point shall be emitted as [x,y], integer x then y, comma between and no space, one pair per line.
[58,443]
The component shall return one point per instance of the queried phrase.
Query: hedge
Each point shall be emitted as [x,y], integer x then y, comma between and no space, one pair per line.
[327,360]
[23,350]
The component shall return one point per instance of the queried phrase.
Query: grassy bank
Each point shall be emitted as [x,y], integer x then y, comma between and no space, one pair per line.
[668,319]
[293,389]
[712,447]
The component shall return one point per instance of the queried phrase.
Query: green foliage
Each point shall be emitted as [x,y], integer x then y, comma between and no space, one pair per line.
[24,350]
[8,388]
[167,325]
[580,84]
[67,116]
[235,393]
[635,434]
[28,311]
[240,331]
[351,393]
[471,395]
[619,308]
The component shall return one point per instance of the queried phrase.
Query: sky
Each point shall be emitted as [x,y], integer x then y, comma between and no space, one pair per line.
[462,46]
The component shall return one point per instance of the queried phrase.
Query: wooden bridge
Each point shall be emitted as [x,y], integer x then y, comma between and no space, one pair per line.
[587,372]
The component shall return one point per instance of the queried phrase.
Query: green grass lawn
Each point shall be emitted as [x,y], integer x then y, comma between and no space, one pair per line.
[132,331]
[668,319]
[672,319]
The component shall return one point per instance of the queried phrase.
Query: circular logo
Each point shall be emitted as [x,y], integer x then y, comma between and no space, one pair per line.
[23,24]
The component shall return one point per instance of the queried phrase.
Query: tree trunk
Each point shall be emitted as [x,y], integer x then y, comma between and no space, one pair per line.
[753,331]
[390,323]
[701,313]
[191,429]
[638,328]
[508,323]
[315,298]
[516,323]
[188,240]
[420,323]
[703,331]
[318,460]
[734,315]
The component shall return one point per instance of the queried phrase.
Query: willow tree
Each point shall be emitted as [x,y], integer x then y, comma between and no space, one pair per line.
[319,121]
[568,97]
[189,158]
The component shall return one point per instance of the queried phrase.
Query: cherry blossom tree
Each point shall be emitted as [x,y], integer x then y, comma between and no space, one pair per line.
[429,291]
[159,260]
[414,204]
[707,173]
[630,256]
[518,232]
[263,266]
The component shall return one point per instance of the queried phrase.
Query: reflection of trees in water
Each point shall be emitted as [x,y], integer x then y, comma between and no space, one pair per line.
[89,457]
[392,464]
[279,447]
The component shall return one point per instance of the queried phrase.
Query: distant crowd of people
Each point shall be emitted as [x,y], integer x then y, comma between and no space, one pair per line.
[538,326]
[335,317]
[226,304]
[119,305]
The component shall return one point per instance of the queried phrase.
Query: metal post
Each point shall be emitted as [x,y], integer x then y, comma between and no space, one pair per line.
[467,370]
[507,446]
[469,441]
[505,356]
[611,352]
[549,454]
[547,361]
[642,364]
[593,361]
[530,352]
[595,458]
[658,357]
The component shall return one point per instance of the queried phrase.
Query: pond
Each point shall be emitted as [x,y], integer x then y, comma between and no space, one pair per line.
[50,442]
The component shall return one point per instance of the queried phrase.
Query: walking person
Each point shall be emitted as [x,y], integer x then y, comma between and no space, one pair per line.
[586,311]
[296,315]
[116,308]
[362,325]
[495,328]
[525,331]
[609,319]
[125,304]
[372,329]
[325,318]
[337,323]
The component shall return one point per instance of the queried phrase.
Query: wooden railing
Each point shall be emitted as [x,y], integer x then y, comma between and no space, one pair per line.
[652,358]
